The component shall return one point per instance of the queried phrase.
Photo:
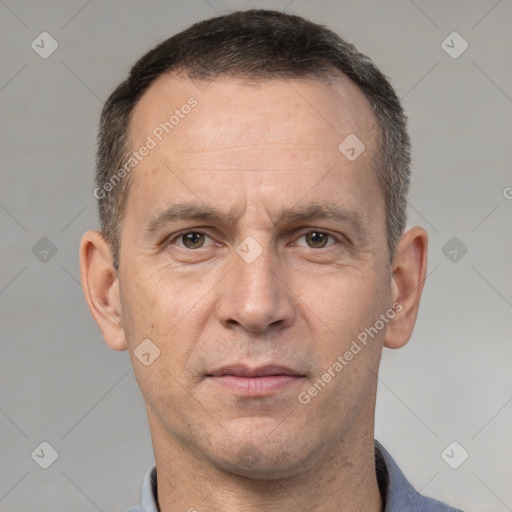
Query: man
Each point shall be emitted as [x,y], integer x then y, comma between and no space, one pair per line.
[252,179]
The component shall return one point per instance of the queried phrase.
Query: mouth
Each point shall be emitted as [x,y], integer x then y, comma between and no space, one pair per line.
[260,381]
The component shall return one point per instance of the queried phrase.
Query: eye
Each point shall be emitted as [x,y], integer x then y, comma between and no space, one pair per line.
[192,240]
[317,239]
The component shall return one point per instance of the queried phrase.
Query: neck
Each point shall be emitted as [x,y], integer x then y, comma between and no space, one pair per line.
[339,479]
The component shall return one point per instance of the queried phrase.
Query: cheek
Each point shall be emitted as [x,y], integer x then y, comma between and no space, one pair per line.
[345,302]
[157,301]
[342,313]
[155,310]
[168,310]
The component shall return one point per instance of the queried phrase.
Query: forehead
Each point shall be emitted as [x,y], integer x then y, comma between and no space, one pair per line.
[229,112]
[209,138]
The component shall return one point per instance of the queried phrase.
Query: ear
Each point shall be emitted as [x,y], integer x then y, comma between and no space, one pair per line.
[101,287]
[408,275]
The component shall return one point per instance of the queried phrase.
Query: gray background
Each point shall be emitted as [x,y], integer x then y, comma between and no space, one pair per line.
[59,381]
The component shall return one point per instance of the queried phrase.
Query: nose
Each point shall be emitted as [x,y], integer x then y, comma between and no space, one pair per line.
[255,296]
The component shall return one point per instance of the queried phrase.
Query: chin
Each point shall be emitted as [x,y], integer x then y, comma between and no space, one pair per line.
[254,466]
[259,457]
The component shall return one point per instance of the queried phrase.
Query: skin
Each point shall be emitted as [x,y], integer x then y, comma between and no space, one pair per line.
[254,150]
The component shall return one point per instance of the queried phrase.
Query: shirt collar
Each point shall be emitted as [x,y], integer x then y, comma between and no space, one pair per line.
[148,502]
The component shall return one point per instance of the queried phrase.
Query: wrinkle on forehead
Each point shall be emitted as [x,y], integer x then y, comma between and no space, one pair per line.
[271,146]
[258,157]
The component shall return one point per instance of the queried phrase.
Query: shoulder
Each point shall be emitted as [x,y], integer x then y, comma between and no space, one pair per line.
[399,494]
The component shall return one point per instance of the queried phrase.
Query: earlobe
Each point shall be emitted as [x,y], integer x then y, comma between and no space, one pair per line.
[101,288]
[409,270]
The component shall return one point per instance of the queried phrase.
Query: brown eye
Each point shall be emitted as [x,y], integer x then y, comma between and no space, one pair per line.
[193,240]
[316,239]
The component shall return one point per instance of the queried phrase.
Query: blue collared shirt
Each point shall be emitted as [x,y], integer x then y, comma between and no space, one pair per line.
[399,495]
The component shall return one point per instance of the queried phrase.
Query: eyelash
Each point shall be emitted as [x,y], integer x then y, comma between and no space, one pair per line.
[177,236]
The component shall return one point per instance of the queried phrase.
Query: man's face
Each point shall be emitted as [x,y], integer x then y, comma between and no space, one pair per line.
[265,282]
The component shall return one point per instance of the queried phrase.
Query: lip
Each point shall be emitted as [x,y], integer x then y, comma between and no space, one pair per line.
[242,370]
[259,381]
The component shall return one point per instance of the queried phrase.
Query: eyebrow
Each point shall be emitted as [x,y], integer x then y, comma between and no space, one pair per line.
[319,211]
[184,211]
[310,212]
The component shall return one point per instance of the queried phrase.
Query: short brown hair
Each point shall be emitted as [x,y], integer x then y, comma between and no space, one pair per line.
[253,45]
